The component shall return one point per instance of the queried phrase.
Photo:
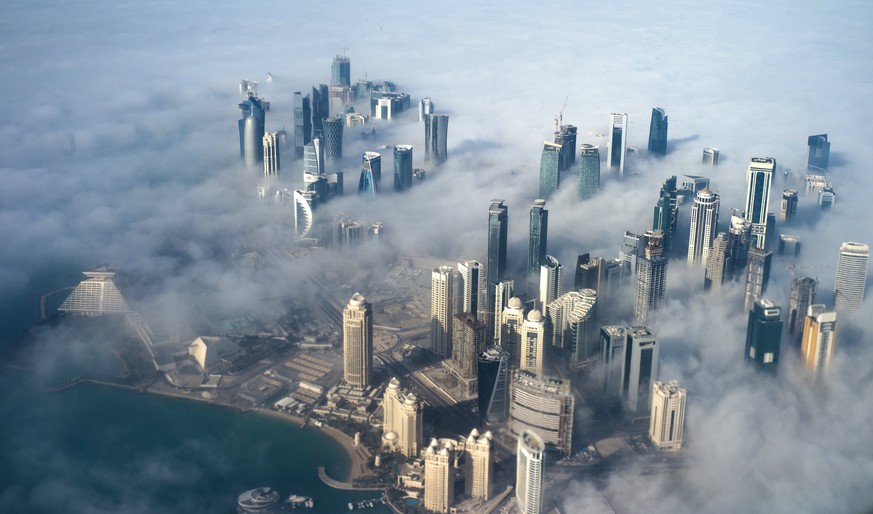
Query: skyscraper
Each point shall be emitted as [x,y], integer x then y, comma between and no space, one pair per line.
[544,405]
[96,295]
[789,205]
[503,293]
[533,338]
[710,156]
[589,171]
[651,278]
[442,297]
[313,159]
[358,342]
[704,225]
[402,426]
[719,263]
[571,317]
[739,235]
[537,241]
[439,483]
[402,167]
[763,335]
[612,359]
[529,472]
[666,214]
[479,468]
[333,139]
[826,198]
[640,368]
[271,154]
[498,220]
[759,177]
[667,420]
[469,287]
[302,123]
[425,107]
[510,333]
[565,135]
[819,153]
[851,279]
[658,132]
[251,129]
[436,129]
[341,71]
[800,297]
[819,340]
[757,275]
[468,341]
[319,106]
[493,385]
[371,175]
[589,272]
[550,169]
[303,204]
[551,281]
[617,142]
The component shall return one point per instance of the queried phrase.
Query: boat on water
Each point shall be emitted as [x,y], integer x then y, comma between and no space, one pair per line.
[266,500]
[299,502]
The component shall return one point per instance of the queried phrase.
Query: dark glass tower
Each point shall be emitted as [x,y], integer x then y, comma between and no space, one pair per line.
[589,171]
[251,129]
[341,71]
[302,123]
[550,167]
[333,140]
[320,107]
[498,222]
[666,214]
[536,249]
[368,185]
[763,335]
[402,167]
[658,132]
[566,137]
[802,295]
[789,205]
[436,129]
[493,376]
[819,153]
[759,178]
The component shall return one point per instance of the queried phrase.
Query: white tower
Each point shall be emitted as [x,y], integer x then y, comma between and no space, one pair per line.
[442,279]
[358,342]
[704,226]
[529,473]
[668,415]
[533,338]
[551,281]
[851,276]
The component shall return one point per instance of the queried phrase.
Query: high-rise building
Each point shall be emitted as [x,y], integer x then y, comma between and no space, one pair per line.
[589,171]
[589,272]
[530,472]
[617,142]
[719,263]
[640,368]
[667,420]
[826,198]
[851,279]
[96,295]
[251,129]
[439,482]
[442,297]
[612,347]
[533,343]
[819,153]
[651,279]
[550,169]
[402,426]
[402,167]
[271,154]
[303,204]
[704,225]
[763,335]
[565,135]
[498,221]
[789,245]
[800,297]
[551,281]
[333,139]
[479,468]
[632,250]
[544,405]
[666,214]
[302,123]
[358,342]
[349,233]
[658,132]
[468,341]
[425,107]
[710,156]
[739,235]
[313,159]
[493,385]
[572,321]
[341,71]
[469,287]
[537,241]
[320,108]
[510,333]
[759,178]
[503,293]
[436,130]
[819,340]
[757,275]
[789,205]
[371,175]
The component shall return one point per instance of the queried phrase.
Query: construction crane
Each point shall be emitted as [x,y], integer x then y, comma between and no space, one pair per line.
[559,119]
[792,267]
